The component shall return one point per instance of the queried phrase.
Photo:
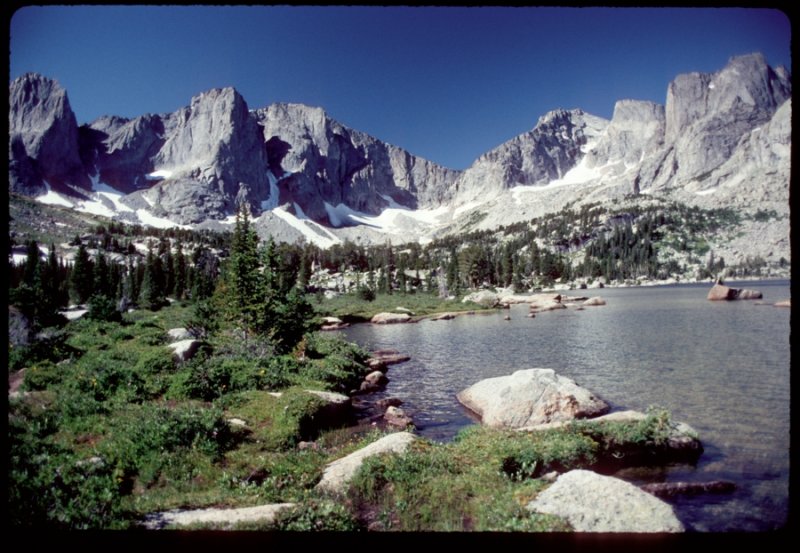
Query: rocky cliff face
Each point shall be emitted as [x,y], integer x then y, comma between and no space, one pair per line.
[721,139]
[546,153]
[196,164]
[43,139]
[317,161]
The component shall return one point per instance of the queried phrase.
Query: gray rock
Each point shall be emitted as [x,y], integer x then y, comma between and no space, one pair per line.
[484,297]
[681,440]
[722,292]
[337,409]
[225,517]
[20,329]
[530,397]
[597,300]
[328,162]
[177,334]
[390,318]
[397,417]
[184,349]
[43,138]
[594,503]
[537,157]
[669,489]
[388,402]
[338,474]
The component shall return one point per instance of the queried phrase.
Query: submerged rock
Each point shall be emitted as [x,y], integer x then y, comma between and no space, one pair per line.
[668,489]
[397,417]
[530,397]
[591,502]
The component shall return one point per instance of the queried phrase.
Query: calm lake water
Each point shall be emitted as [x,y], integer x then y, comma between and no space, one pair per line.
[722,367]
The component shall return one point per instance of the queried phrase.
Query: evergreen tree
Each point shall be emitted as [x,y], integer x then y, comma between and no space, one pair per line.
[82,278]
[151,293]
[179,271]
[101,276]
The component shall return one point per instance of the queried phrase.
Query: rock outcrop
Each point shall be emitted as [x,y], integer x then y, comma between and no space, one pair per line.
[722,139]
[43,139]
[546,153]
[319,163]
[338,474]
[591,502]
[530,397]
[390,318]
[183,350]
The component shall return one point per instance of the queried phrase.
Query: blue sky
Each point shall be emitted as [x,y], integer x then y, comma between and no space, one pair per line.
[447,84]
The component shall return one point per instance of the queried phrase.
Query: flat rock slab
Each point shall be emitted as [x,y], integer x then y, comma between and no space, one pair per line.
[682,438]
[591,502]
[227,517]
[597,300]
[530,397]
[390,318]
[338,474]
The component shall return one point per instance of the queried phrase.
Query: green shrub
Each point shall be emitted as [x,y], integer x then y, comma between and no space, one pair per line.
[42,375]
[49,345]
[48,487]
[150,440]
[155,362]
[103,308]
[316,516]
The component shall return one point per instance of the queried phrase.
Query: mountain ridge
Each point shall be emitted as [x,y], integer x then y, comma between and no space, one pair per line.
[721,138]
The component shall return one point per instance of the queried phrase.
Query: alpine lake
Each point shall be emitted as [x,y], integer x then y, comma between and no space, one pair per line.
[720,366]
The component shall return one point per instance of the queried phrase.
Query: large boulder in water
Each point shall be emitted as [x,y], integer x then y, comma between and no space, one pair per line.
[722,292]
[530,397]
[591,502]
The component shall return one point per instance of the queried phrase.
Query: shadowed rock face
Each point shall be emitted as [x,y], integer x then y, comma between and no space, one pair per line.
[328,163]
[43,138]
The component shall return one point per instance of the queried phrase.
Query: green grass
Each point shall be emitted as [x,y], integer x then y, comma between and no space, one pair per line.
[350,307]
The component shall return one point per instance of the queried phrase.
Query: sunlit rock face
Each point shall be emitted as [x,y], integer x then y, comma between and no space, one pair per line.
[722,139]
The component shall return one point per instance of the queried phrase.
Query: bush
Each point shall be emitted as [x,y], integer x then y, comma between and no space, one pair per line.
[365,293]
[102,308]
[42,375]
[48,345]
[147,441]
[209,379]
[50,487]
[316,516]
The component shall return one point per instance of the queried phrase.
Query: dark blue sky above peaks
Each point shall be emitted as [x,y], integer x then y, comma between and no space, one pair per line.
[447,84]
